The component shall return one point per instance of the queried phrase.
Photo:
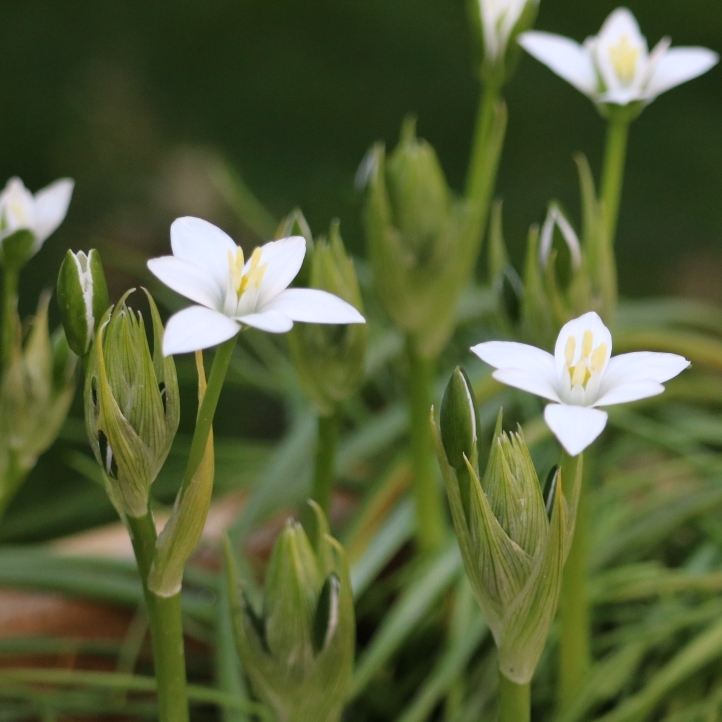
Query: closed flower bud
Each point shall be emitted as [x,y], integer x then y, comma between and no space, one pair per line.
[513,551]
[330,359]
[423,242]
[299,651]
[82,298]
[131,406]
[37,388]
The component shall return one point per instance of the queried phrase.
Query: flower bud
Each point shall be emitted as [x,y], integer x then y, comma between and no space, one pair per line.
[513,551]
[299,651]
[36,391]
[131,406]
[82,298]
[423,242]
[330,359]
[295,224]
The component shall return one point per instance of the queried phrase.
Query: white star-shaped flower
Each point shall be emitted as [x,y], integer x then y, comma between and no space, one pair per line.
[40,214]
[209,268]
[616,65]
[580,376]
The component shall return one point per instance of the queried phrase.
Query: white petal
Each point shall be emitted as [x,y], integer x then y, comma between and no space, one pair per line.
[284,259]
[51,207]
[623,96]
[642,366]
[513,355]
[196,328]
[203,245]
[313,306]
[577,328]
[566,58]
[271,321]
[526,382]
[17,207]
[632,391]
[677,66]
[575,426]
[188,280]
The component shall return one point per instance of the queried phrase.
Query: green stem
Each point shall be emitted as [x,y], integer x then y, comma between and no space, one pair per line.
[10,314]
[613,172]
[574,642]
[166,627]
[514,701]
[325,463]
[430,522]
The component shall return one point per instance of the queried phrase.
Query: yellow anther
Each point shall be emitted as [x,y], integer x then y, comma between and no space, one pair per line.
[599,357]
[624,57]
[255,273]
[580,374]
[587,344]
[569,350]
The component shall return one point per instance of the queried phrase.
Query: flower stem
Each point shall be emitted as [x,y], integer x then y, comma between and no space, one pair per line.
[9,313]
[430,522]
[574,643]
[325,463]
[514,700]
[166,628]
[613,171]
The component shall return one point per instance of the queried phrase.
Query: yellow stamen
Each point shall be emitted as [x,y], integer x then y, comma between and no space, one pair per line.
[569,350]
[587,344]
[624,58]
[599,357]
[255,273]
[579,375]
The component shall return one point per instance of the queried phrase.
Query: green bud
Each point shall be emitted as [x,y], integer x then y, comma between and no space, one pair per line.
[299,652]
[423,242]
[36,391]
[330,359]
[82,298]
[513,551]
[17,249]
[295,224]
[131,406]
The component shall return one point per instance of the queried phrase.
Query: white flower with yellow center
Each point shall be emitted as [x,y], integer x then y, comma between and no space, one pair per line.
[209,268]
[40,214]
[616,65]
[498,19]
[580,376]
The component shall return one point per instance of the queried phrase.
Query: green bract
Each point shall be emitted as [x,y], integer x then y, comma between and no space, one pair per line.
[513,544]
[423,241]
[82,298]
[299,652]
[35,394]
[131,406]
[330,359]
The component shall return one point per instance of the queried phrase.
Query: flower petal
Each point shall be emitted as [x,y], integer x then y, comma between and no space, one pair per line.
[313,306]
[575,426]
[576,329]
[566,58]
[271,321]
[196,328]
[641,366]
[526,382]
[677,66]
[51,207]
[284,259]
[203,245]
[188,280]
[513,355]
[633,391]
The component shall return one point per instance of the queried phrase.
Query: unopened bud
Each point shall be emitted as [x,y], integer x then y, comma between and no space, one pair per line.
[131,406]
[82,298]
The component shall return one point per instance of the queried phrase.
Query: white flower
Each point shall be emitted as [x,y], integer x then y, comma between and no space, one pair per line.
[580,376]
[555,217]
[208,267]
[498,19]
[616,65]
[41,213]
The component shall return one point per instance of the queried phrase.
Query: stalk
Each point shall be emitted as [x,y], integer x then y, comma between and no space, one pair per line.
[430,522]
[166,628]
[325,463]
[9,313]
[574,642]
[613,172]
[514,701]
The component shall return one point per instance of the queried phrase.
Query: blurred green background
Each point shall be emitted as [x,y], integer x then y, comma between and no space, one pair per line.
[138,101]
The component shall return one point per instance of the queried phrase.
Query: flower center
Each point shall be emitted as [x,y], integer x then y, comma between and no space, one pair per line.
[624,58]
[242,280]
[590,361]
